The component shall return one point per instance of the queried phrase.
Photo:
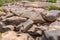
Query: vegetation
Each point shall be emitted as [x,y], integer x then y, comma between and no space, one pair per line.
[7,1]
[32,0]
[52,1]
[52,7]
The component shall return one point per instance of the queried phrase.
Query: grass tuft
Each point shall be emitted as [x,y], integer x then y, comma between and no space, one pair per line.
[52,7]
[53,1]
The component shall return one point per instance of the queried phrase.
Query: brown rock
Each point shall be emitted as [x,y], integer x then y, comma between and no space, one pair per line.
[32,4]
[6,9]
[37,18]
[54,26]
[11,27]
[1,25]
[26,25]
[10,35]
[58,19]
[2,14]
[13,36]
[25,36]
[27,14]
[17,10]
[33,28]
[14,20]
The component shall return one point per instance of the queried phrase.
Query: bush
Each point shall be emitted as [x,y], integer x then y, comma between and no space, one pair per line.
[52,7]
[7,1]
[52,1]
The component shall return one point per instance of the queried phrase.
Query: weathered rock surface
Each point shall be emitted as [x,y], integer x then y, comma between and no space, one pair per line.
[29,21]
[55,25]
[26,25]
[52,35]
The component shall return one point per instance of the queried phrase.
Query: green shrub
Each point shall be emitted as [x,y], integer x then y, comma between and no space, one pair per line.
[32,0]
[7,1]
[52,7]
[52,1]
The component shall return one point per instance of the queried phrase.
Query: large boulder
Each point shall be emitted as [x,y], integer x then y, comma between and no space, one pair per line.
[50,15]
[51,35]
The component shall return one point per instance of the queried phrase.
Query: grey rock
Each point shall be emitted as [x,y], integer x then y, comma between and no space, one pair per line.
[52,35]
[49,16]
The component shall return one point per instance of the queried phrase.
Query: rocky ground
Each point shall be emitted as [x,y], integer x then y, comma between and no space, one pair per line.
[29,21]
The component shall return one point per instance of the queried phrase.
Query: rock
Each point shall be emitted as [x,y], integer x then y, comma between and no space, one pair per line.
[1,18]
[58,19]
[1,25]
[32,4]
[54,26]
[14,20]
[9,15]
[25,36]
[2,14]
[17,11]
[38,38]
[52,35]
[10,35]
[41,27]
[27,14]
[57,12]
[49,16]
[35,30]
[11,27]
[39,10]
[37,18]
[26,25]
[6,9]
